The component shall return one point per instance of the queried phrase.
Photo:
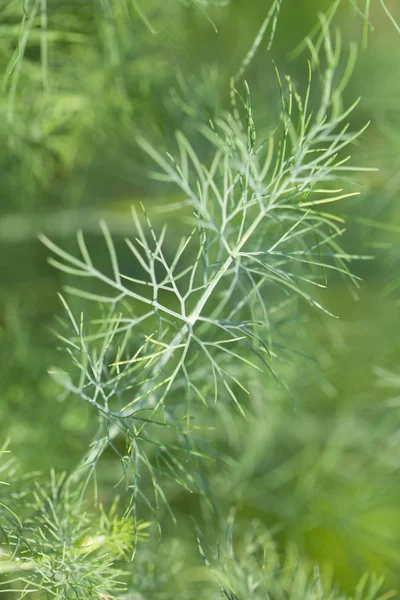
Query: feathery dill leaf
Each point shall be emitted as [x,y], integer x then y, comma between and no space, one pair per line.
[193,325]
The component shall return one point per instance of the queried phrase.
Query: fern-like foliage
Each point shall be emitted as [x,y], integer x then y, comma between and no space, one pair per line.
[362,9]
[191,326]
[60,551]
[251,567]
[179,326]
[13,491]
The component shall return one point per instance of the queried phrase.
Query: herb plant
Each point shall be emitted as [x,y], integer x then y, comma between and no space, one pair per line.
[192,326]
[175,344]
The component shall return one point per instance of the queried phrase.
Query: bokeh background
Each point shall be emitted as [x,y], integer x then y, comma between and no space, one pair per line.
[80,80]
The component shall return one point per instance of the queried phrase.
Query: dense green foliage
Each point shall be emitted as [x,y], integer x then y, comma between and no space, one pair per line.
[210,408]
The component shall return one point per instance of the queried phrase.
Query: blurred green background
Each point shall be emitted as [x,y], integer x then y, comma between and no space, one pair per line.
[79,82]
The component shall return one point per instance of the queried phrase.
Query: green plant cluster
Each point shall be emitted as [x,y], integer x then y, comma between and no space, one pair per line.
[211,429]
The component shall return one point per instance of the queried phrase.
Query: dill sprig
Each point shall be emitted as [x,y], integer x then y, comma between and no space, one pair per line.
[193,325]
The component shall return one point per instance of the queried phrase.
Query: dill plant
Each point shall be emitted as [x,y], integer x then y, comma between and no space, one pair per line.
[61,552]
[253,568]
[188,331]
